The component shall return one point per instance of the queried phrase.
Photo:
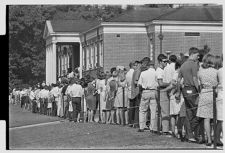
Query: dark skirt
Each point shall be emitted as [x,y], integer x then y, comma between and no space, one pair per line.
[91,102]
[110,102]
[26,99]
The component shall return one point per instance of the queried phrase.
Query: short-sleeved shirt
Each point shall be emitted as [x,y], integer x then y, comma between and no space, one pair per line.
[134,87]
[148,79]
[169,71]
[129,76]
[160,74]
[188,70]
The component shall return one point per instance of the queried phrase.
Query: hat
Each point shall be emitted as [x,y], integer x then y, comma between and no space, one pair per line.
[186,54]
[120,68]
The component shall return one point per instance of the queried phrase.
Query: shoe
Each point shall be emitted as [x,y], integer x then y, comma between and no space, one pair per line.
[219,144]
[130,125]
[208,144]
[140,130]
[146,128]
[201,141]
[166,133]
[192,140]
[154,132]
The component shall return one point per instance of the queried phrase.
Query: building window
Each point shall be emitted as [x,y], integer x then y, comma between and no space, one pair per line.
[83,59]
[101,54]
[87,58]
[96,55]
[192,34]
[92,57]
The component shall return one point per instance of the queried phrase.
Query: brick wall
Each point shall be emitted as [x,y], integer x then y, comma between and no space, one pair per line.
[121,50]
[178,43]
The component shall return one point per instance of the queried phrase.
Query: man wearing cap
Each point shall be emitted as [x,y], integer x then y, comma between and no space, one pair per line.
[188,72]
[148,85]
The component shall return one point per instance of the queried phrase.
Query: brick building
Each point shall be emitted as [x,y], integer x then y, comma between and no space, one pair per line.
[93,45]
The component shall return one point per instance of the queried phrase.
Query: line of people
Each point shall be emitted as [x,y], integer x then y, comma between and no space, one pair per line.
[175,97]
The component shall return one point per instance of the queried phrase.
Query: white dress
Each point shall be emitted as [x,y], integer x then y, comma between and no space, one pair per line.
[174,105]
[102,88]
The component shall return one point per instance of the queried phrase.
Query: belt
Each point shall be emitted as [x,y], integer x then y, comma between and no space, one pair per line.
[188,85]
[148,89]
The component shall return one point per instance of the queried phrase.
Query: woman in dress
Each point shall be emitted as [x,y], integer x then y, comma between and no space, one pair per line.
[111,90]
[218,64]
[121,100]
[208,78]
[102,91]
[91,99]
[175,104]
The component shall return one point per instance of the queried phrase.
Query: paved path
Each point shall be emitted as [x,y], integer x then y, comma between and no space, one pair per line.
[70,135]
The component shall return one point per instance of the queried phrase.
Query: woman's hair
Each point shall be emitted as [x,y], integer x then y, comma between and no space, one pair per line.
[112,70]
[207,61]
[178,64]
[121,75]
[218,62]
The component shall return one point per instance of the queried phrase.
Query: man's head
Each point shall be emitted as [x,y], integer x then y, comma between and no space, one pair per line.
[173,58]
[162,59]
[113,72]
[137,64]
[131,65]
[145,61]
[193,53]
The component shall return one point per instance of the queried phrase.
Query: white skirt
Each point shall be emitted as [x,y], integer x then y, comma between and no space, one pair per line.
[174,105]
[49,105]
[102,101]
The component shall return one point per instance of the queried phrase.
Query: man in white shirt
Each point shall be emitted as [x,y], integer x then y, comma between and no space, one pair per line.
[32,101]
[44,93]
[169,70]
[164,100]
[55,92]
[76,92]
[131,109]
[148,85]
[37,98]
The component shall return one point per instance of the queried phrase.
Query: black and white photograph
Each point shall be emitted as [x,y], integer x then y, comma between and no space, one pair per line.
[120,76]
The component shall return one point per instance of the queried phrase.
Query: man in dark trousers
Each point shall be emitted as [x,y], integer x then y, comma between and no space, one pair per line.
[190,90]
[135,96]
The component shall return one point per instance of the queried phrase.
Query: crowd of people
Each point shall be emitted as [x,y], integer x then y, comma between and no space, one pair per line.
[175,98]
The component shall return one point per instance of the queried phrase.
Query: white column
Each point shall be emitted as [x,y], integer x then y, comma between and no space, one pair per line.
[81,59]
[46,65]
[54,62]
[50,64]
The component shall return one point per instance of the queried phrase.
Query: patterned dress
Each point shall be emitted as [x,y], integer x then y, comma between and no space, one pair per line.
[119,95]
[111,90]
[90,97]
[208,79]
